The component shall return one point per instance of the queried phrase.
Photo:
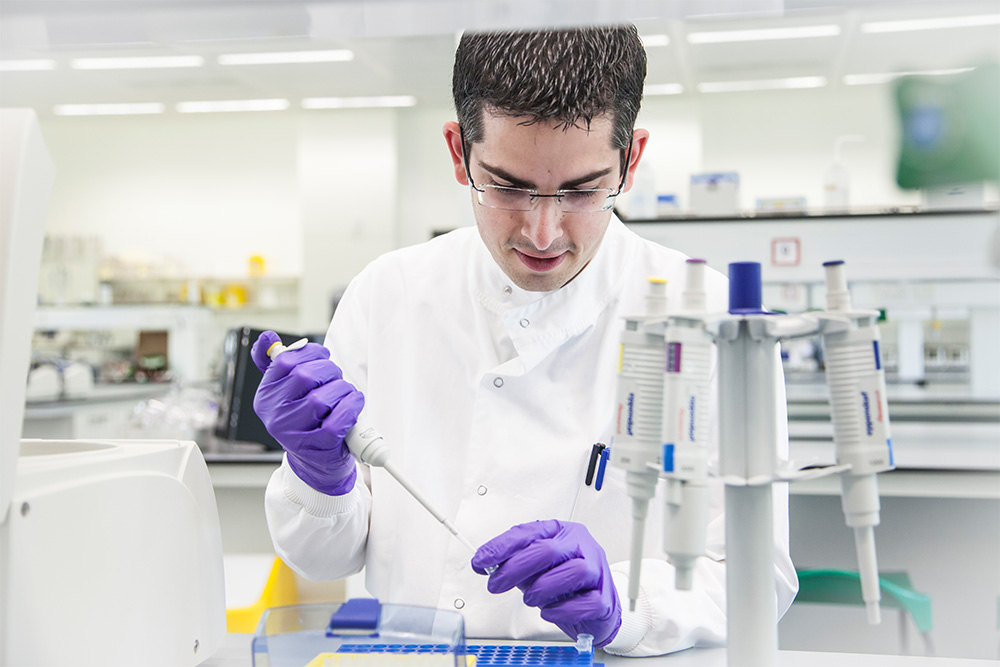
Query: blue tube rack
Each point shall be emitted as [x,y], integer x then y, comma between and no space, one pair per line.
[488,655]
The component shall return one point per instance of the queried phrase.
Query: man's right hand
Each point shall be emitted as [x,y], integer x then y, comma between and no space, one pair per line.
[308,407]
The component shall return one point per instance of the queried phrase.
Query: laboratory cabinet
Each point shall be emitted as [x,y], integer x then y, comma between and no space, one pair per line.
[107,412]
[934,275]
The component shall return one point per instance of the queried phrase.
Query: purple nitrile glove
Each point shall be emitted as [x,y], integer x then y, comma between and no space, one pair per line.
[562,570]
[308,407]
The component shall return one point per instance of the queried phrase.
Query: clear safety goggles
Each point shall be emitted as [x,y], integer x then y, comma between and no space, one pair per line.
[509,198]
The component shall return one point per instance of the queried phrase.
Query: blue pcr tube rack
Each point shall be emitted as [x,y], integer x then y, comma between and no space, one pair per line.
[299,635]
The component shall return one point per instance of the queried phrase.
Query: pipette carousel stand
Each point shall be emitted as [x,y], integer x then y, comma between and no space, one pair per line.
[747,347]
[747,463]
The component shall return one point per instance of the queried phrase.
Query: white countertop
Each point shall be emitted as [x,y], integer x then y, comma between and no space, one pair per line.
[235,652]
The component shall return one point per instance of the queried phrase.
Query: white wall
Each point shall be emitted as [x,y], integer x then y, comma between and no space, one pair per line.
[207,190]
[322,193]
[347,187]
[429,197]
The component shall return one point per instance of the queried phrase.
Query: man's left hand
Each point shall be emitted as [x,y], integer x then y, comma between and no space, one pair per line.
[562,570]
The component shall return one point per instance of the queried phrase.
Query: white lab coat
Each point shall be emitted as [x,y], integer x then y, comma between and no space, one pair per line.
[490,399]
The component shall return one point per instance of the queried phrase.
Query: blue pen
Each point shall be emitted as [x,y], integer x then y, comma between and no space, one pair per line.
[605,455]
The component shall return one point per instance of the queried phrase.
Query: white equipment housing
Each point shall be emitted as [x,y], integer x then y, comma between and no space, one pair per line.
[110,552]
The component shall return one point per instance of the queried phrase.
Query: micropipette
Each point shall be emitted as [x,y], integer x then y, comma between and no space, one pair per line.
[367,445]
[637,446]
[687,399]
[860,414]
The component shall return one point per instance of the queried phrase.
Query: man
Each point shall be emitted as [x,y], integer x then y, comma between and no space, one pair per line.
[487,361]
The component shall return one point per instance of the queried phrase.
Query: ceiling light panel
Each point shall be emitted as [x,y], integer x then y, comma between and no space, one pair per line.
[762,84]
[654,40]
[108,109]
[763,34]
[931,24]
[663,89]
[286,57]
[886,77]
[358,102]
[223,106]
[145,62]
[34,65]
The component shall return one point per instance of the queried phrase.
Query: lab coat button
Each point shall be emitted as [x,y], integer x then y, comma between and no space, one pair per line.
[524,324]
[459,603]
[498,382]
[507,289]
[481,490]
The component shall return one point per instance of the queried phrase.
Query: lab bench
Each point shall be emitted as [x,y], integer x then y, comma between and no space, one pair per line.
[236,652]
[940,526]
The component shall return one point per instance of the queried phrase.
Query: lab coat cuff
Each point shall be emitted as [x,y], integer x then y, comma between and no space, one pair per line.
[635,624]
[316,502]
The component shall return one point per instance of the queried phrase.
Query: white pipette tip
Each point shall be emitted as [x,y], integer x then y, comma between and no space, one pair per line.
[463,540]
[683,578]
[874,613]
[585,643]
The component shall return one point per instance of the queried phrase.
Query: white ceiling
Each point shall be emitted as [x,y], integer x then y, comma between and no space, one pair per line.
[405,47]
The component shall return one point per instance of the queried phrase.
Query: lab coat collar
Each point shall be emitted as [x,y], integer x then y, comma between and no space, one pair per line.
[539,322]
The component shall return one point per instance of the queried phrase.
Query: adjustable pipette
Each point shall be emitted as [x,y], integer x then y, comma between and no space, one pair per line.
[860,415]
[687,403]
[637,444]
[367,445]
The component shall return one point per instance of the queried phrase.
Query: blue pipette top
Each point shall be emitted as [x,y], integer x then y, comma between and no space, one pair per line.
[745,291]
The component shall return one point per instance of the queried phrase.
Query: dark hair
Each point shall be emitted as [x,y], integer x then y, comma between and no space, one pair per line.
[567,76]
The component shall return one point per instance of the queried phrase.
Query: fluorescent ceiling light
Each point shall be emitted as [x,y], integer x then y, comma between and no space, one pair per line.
[886,77]
[931,24]
[764,84]
[107,109]
[358,102]
[339,55]
[151,62]
[654,40]
[716,37]
[36,65]
[663,89]
[216,106]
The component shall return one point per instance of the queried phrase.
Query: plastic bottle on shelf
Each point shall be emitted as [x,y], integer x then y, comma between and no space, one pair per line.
[836,185]
[642,203]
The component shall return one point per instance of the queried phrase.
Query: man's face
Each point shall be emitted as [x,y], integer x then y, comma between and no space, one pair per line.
[544,248]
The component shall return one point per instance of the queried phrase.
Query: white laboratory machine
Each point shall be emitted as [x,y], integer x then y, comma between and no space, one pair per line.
[665,385]
[110,551]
